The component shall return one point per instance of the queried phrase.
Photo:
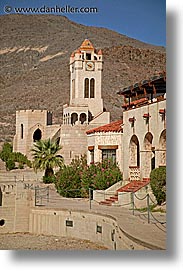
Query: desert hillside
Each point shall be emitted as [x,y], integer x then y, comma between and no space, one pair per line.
[34,70]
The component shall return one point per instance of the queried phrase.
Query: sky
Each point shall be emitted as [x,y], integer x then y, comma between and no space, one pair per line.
[144,20]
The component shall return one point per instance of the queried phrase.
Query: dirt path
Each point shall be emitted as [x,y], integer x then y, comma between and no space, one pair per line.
[39,242]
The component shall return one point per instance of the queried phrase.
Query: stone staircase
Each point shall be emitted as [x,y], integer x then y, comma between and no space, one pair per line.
[132,186]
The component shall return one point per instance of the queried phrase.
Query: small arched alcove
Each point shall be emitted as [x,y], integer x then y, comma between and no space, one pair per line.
[37,135]
[134,151]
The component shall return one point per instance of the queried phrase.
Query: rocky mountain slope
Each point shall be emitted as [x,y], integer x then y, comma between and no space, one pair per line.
[34,64]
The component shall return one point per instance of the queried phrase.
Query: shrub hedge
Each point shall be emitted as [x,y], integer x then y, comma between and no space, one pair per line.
[158,184]
[74,180]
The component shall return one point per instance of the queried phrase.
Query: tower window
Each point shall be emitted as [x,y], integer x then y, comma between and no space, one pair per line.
[92,88]
[22,131]
[88,56]
[86,95]
[73,88]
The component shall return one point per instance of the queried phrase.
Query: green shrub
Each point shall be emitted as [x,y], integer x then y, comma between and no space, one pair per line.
[9,157]
[75,179]
[158,184]
[49,179]
[6,152]
[10,164]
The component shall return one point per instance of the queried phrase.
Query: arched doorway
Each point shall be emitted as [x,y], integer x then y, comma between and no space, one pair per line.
[82,118]
[74,118]
[134,151]
[162,149]
[37,135]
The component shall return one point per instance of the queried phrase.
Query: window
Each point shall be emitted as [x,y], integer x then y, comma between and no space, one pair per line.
[22,131]
[92,88]
[73,88]
[82,118]
[74,118]
[92,156]
[88,56]
[86,91]
[1,197]
[89,88]
[109,154]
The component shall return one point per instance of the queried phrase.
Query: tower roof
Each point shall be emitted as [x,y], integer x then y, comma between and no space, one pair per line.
[86,45]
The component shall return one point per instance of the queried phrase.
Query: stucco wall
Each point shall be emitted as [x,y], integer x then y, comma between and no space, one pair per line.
[108,138]
[155,126]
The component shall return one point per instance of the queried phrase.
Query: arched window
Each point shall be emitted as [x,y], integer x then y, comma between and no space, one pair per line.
[74,118]
[86,88]
[37,135]
[82,118]
[92,88]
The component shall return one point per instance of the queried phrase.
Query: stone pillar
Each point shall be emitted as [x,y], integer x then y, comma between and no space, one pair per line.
[146,163]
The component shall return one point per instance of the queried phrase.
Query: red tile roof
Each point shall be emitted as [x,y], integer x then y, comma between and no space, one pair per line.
[115,126]
[135,102]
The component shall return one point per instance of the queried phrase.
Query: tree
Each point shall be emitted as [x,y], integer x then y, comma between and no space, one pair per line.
[45,158]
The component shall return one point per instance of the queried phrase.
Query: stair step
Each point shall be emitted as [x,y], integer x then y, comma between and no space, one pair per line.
[111,199]
[132,186]
[105,203]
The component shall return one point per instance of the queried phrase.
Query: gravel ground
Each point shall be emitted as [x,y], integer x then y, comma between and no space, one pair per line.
[39,242]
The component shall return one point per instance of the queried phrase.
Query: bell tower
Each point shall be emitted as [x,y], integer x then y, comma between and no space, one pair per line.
[86,65]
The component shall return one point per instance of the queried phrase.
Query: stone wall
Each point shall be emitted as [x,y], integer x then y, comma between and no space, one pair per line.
[15,208]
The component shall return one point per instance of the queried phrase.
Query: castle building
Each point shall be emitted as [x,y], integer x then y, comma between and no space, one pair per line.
[84,111]
[138,142]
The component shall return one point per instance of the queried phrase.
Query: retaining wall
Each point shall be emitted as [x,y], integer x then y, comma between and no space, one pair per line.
[98,228]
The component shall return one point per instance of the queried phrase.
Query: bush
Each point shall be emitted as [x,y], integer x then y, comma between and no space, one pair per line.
[158,184]
[7,155]
[75,179]
[49,179]
[10,164]
[6,152]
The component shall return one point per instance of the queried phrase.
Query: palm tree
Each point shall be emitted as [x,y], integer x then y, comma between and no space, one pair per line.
[45,156]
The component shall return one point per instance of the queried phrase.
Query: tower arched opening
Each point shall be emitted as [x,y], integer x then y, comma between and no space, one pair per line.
[37,135]
[74,118]
[82,118]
